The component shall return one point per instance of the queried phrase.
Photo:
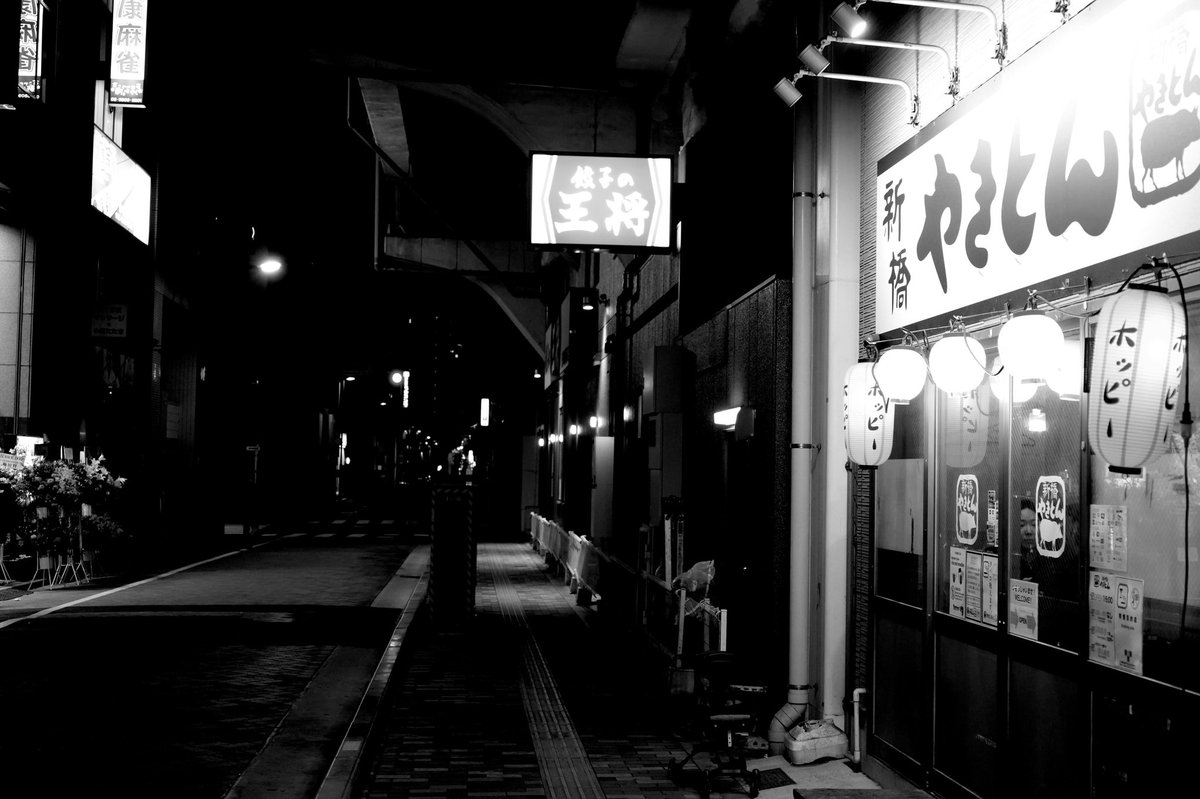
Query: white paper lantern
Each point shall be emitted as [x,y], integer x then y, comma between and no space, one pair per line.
[1138,359]
[867,417]
[901,372]
[1031,345]
[956,363]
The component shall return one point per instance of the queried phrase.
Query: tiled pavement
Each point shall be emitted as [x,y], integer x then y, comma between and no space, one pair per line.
[459,724]
[536,697]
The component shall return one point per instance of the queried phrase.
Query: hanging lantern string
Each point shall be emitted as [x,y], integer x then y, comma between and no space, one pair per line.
[962,328]
[1157,264]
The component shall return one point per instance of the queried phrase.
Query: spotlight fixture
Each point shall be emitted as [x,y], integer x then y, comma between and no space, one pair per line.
[847,18]
[813,60]
[787,91]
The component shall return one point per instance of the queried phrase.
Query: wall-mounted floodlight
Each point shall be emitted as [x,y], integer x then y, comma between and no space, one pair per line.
[1000,28]
[270,266]
[726,418]
[813,60]
[787,91]
[913,102]
[929,48]
[847,19]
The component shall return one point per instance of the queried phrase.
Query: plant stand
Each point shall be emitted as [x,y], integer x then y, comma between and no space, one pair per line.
[66,566]
[44,573]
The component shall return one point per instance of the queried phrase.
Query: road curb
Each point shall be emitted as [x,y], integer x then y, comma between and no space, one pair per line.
[340,779]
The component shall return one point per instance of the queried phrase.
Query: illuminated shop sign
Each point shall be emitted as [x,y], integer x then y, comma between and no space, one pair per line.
[605,201]
[29,59]
[127,55]
[120,188]
[1083,152]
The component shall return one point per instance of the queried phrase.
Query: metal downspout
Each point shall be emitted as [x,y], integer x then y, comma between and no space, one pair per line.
[802,449]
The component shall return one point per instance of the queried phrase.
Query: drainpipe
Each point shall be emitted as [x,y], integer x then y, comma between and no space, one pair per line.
[804,201]
[857,756]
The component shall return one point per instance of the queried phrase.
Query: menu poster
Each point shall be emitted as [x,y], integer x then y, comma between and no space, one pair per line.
[958,570]
[1115,621]
[1023,608]
[993,518]
[989,589]
[974,581]
[1109,538]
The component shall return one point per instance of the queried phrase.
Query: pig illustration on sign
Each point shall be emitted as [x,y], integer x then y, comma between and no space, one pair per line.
[1165,139]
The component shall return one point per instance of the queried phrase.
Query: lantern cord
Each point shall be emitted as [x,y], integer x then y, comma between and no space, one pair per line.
[1042,298]
[1185,432]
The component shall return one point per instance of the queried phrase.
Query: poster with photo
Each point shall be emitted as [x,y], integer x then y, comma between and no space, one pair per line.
[966,504]
[1115,621]
[1109,538]
[974,585]
[958,578]
[1050,503]
[1023,608]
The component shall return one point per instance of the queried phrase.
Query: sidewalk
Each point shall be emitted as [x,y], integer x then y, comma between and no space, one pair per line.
[536,697]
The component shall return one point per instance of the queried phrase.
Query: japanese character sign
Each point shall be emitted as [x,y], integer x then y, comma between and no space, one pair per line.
[29,46]
[1050,504]
[127,53]
[966,505]
[1076,158]
[611,202]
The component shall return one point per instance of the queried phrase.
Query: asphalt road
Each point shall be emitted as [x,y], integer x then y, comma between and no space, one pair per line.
[173,687]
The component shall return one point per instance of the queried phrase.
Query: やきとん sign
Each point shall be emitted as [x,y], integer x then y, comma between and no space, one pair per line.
[1077,154]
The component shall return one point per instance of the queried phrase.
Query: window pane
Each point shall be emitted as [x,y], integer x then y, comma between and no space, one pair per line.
[1044,525]
[969,467]
[900,509]
[1138,540]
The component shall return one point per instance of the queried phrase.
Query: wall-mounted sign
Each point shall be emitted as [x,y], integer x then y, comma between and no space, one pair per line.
[1023,608]
[120,188]
[1086,151]
[127,54]
[1115,621]
[609,202]
[110,321]
[1109,537]
[29,44]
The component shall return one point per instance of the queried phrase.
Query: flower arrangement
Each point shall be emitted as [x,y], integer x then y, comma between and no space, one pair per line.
[97,486]
[48,483]
[58,506]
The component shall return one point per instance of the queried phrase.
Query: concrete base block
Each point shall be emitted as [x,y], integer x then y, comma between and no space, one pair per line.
[814,740]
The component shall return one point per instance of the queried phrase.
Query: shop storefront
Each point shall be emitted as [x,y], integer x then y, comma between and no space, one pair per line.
[1034,591]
